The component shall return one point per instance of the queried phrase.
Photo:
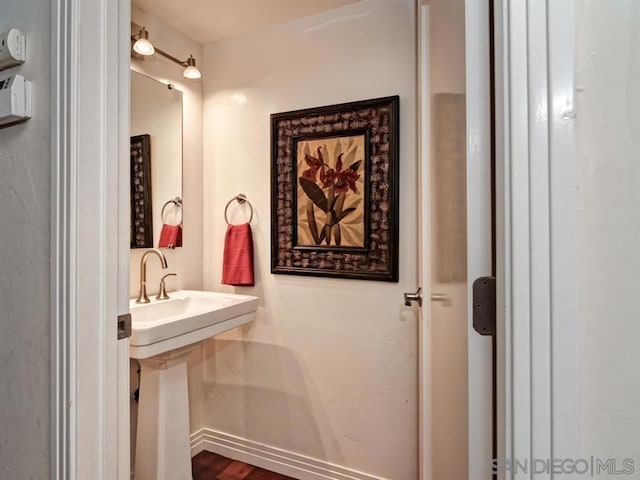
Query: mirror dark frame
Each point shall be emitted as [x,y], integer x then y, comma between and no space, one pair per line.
[141,207]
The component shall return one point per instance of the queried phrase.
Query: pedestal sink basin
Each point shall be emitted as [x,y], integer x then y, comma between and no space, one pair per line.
[187,317]
[164,333]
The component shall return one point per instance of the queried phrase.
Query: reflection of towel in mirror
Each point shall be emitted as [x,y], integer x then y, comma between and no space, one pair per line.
[237,262]
[170,236]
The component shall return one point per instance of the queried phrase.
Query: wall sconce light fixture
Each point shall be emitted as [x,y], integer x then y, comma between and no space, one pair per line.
[143,46]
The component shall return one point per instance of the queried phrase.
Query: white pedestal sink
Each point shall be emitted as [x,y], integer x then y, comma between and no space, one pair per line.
[164,332]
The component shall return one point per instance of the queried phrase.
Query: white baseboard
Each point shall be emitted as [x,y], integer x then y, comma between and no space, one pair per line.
[271,458]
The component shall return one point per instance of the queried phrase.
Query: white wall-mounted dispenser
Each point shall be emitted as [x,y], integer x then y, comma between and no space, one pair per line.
[13,48]
[15,99]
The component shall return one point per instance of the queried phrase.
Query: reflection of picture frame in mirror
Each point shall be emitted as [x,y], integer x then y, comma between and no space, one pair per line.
[141,217]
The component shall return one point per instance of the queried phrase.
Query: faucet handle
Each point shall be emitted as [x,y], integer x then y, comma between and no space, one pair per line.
[162,292]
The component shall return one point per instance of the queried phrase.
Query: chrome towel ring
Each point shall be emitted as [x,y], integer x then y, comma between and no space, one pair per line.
[241,198]
[175,201]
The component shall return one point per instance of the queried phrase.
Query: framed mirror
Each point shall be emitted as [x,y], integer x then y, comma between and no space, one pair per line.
[156,163]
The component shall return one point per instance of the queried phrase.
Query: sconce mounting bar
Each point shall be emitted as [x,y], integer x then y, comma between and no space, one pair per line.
[171,57]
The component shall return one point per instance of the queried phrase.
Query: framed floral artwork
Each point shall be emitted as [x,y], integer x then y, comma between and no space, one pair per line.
[334,185]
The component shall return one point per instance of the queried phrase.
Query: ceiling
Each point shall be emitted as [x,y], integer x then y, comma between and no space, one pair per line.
[207,21]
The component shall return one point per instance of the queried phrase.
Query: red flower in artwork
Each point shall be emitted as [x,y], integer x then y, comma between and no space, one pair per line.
[315,164]
[342,179]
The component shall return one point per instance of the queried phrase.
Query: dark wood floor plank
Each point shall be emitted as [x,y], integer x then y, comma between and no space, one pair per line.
[261,474]
[236,471]
[211,466]
[208,465]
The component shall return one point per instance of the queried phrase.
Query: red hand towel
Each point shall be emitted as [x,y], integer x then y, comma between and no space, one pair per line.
[237,262]
[170,236]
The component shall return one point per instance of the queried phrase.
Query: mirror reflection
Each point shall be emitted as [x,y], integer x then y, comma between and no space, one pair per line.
[156,163]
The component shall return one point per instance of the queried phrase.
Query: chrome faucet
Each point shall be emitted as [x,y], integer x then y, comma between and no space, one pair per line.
[142,294]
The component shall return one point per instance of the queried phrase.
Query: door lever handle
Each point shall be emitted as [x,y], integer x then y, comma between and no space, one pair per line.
[409,298]
[413,297]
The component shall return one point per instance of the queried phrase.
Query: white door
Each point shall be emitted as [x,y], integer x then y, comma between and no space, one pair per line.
[456,234]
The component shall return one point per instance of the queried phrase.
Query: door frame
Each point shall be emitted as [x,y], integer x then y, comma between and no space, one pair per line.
[537,357]
[89,132]
[89,120]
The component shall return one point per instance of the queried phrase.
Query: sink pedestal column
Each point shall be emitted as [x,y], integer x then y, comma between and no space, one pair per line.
[163,441]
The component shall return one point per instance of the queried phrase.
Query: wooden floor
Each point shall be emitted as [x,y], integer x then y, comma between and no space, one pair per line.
[210,466]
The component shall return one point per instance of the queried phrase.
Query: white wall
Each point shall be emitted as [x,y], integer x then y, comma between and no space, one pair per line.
[608,122]
[329,367]
[185,261]
[25,178]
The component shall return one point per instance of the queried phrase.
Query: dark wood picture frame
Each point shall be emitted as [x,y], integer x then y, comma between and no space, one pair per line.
[141,211]
[334,190]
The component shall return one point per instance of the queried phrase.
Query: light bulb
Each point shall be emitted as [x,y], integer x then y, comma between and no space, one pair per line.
[191,71]
[143,46]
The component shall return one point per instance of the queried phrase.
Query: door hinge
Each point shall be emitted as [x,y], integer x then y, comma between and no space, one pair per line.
[484,305]
[124,326]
